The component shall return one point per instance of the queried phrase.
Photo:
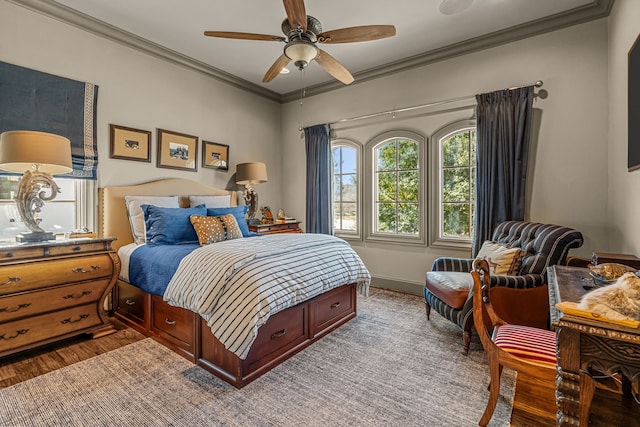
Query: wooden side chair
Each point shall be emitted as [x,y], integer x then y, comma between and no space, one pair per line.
[524,349]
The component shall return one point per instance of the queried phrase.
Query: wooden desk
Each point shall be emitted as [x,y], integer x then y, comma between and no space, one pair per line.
[584,344]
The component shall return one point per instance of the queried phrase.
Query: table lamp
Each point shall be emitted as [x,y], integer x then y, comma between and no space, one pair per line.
[250,174]
[38,155]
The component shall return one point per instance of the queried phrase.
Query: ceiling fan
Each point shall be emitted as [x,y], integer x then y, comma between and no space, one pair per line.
[302,33]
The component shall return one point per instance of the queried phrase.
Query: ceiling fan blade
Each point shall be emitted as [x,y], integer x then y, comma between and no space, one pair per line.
[333,67]
[244,36]
[357,34]
[275,69]
[296,13]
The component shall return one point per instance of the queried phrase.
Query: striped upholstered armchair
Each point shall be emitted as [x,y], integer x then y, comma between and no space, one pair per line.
[521,298]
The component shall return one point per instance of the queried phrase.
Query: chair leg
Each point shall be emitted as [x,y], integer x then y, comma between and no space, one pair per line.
[466,341]
[494,391]
[428,307]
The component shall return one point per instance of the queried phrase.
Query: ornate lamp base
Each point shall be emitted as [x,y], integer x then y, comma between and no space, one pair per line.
[35,237]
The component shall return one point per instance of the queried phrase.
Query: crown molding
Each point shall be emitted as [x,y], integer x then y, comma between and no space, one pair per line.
[594,10]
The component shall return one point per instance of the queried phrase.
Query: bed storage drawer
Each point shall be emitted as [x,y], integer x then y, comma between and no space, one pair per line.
[282,332]
[174,324]
[331,306]
[130,302]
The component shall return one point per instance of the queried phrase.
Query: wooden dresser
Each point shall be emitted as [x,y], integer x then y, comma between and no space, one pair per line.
[54,290]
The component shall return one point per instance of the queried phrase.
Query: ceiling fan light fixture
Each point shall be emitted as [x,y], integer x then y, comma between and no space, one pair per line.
[451,7]
[301,52]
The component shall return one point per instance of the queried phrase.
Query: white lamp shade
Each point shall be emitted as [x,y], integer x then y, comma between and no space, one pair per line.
[301,51]
[251,173]
[20,150]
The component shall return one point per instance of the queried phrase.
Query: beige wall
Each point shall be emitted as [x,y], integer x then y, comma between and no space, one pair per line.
[144,92]
[568,182]
[623,203]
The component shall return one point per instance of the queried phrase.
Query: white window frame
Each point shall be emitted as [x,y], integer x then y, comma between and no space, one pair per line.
[357,234]
[370,201]
[436,220]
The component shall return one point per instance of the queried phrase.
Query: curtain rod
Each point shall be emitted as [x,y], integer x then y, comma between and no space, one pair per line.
[538,83]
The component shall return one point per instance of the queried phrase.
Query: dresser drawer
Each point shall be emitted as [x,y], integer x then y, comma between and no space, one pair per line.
[283,331]
[327,308]
[33,303]
[18,253]
[39,274]
[174,323]
[79,248]
[38,328]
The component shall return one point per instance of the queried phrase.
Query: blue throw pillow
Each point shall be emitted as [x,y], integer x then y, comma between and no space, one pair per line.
[170,226]
[237,211]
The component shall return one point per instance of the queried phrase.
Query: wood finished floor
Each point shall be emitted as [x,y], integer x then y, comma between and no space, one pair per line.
[609,409]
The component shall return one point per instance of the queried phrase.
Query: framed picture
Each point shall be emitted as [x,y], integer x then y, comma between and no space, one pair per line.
[130,144]
[177,150]
[633,111]
[215,156]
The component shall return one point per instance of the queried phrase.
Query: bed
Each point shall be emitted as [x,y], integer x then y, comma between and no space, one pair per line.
[190,332]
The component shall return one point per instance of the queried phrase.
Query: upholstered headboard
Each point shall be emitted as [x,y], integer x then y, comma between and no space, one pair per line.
[113,219]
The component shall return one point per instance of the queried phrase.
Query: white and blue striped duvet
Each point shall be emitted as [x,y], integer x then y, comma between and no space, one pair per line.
[236,285]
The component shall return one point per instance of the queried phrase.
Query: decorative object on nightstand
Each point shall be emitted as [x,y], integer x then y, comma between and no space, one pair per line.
[54,290]
[626,259]
[249,174]
[46,154]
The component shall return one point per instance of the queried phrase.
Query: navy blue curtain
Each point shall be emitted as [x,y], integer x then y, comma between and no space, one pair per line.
[32,100]
[319,167]
[503,135]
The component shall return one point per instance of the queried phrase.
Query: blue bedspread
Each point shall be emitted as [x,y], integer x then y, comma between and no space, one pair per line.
[152,267]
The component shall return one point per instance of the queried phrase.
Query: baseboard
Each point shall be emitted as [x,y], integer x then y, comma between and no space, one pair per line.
[396,285]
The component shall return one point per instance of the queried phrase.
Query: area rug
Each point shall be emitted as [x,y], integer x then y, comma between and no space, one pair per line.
[388,367]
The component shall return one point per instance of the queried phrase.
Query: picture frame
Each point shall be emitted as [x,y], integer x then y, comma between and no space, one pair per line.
[177,150]
[129,143]
[633,110]
[215,156]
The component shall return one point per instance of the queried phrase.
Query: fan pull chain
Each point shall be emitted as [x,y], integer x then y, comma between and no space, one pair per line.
[303,92]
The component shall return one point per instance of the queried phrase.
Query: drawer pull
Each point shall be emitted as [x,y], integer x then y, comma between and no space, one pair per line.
[335,304]
[11,280]
[69,320]
[130,302]
[76,296]
[82,270]
[9,254]
[278,334]
[18,333]
[169,321]
[14,309]
[77,248]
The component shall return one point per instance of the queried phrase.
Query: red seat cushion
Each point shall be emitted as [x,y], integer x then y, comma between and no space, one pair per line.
[535,344]
[451,287]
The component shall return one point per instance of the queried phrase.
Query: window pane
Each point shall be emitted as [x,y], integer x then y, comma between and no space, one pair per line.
[349,188]
[336,160]
[455,150]
[386,156]
[349,216]
[408,221]
[386,217]
[455,185]
[58,217]
[407,155]
[456,220]
[386,186]
[349,160]
[408,185]
[67,189]
[9,187]
[337,191]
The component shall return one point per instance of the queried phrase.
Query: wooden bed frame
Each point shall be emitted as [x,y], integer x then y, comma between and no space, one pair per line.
[185,332]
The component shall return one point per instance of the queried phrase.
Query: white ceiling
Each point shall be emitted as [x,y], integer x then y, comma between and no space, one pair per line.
[420,29]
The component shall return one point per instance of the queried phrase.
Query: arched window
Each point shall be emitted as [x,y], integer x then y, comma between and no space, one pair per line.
[396,187]
[455,153]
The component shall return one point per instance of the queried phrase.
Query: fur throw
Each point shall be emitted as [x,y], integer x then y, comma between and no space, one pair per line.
[618,301]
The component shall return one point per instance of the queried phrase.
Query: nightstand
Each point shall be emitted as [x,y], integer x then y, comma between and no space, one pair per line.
[288,227]
[54,290]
